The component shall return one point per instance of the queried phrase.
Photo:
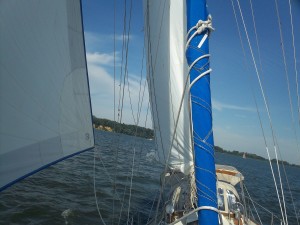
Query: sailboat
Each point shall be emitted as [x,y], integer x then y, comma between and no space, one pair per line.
[199,191]
[48,92]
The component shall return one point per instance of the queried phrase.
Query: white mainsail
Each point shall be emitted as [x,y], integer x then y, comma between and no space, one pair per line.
[165,29]
[45,111]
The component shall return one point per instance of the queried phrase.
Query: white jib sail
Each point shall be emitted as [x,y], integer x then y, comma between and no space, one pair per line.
[167,69]
[45,111]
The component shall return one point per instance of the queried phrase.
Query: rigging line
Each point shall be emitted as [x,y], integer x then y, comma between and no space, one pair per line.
[251,213]
[193,194]
[184,141]
[295,59]
[152,205]
[287,79]
[95,192]
[253,205]
[194,189]
[284,59]
[177,120]
[114,62]
[175,126]
[121,69]
[123,200]
[243,197]
[140,103]
[105,169]
[203,140]
[137,122]
[286,73]
[265,101]
[183,94]
[288,184]
[130,188]
[134,152]
[147,111]
[253,95]
[116,152]
[193,211]
[190,30]
[256,37]
[201,26]
[126,76]
[267,149]
[141,78]
[129,95]
[268,211]
[124,55]
[252,89]
[142,148]
[126,58]
[296,70]
[211,196]
[120,92]
[125,189]
[151,69]
[114,126]
[190,39]
[194,135]
[189,105]
[173,114]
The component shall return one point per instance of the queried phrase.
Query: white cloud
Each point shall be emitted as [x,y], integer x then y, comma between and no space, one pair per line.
[102,91]
[100,80]
[220,106]
[101,58]
[95,40]
[120,37]
[240,116]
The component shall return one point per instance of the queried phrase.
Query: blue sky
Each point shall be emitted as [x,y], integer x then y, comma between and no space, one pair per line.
[236,124]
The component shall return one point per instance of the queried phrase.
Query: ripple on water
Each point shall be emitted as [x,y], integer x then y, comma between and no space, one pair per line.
[64,194]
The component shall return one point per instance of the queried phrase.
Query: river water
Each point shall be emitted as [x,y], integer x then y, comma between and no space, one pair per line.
[64,193]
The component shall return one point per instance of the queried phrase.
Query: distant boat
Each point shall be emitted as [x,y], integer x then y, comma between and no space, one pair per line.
[244,155]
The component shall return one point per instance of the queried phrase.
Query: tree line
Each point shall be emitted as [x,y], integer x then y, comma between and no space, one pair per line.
[251,155]
[133,130]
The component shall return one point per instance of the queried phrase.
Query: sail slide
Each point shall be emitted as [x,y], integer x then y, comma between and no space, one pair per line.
[167,70]
[45,111]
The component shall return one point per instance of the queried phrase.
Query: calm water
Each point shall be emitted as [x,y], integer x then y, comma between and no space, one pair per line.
[64,194]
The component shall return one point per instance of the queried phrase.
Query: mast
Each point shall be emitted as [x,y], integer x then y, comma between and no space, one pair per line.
[201,114]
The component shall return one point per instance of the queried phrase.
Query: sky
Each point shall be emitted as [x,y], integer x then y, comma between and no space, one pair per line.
[234,82]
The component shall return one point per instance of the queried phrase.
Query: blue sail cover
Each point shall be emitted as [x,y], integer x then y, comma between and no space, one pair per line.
[205,174]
